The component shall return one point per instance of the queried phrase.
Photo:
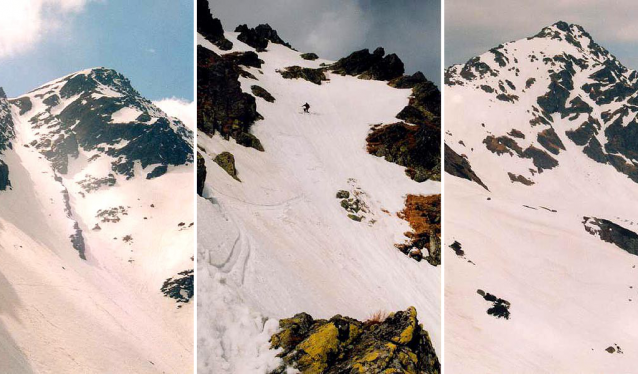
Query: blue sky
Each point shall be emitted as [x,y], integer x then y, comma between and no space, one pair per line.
[149,41]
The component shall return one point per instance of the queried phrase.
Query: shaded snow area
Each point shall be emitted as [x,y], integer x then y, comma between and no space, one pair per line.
[276,241]
[60,313]
[571,296]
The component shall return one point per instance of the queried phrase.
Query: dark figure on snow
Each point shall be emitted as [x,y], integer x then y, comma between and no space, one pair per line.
[305,107]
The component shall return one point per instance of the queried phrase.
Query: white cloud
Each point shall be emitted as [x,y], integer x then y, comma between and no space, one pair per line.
[181,109]
[23,23]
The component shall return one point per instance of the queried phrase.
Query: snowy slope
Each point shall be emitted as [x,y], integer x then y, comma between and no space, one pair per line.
[278,242]
[572,294]
[76,296]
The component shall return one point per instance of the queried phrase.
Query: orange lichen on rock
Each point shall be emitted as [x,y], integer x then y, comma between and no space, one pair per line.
[423,213]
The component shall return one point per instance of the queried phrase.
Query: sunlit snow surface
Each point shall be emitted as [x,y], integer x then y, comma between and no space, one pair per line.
[279,243]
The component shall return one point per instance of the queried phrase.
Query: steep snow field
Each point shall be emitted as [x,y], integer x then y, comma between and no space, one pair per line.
[279,243]
[572,295]
[105,314]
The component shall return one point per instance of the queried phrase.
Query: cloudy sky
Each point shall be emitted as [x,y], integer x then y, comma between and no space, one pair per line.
[149,41]
[335,28]
[472,27]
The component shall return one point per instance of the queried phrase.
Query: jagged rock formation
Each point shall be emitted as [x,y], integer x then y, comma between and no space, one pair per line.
[222,106]
[210,27]
[396,344]
[368,65]
[259,36]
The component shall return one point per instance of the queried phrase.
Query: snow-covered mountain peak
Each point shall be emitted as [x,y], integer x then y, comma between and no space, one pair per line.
[99,112]
[560,87]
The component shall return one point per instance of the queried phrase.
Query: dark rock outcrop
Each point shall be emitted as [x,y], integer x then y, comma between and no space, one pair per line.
[261,92]
[259,37]
[415,147]
[612,233]
[368,65]
[5,182]
[309,56]
[408,81]
[222,106]
[423,213]
[459,166]
[315,76]
[201,174]
[210,27]
[180,287]
[396,344]
[500,308]
[226,161]
[519,179]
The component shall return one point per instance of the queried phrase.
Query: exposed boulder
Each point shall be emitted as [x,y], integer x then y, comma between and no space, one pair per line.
[396,344]
[226,161]
[261,92]
[309,56]
[315,76]
[210,27]
[368,65]
[201,174]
